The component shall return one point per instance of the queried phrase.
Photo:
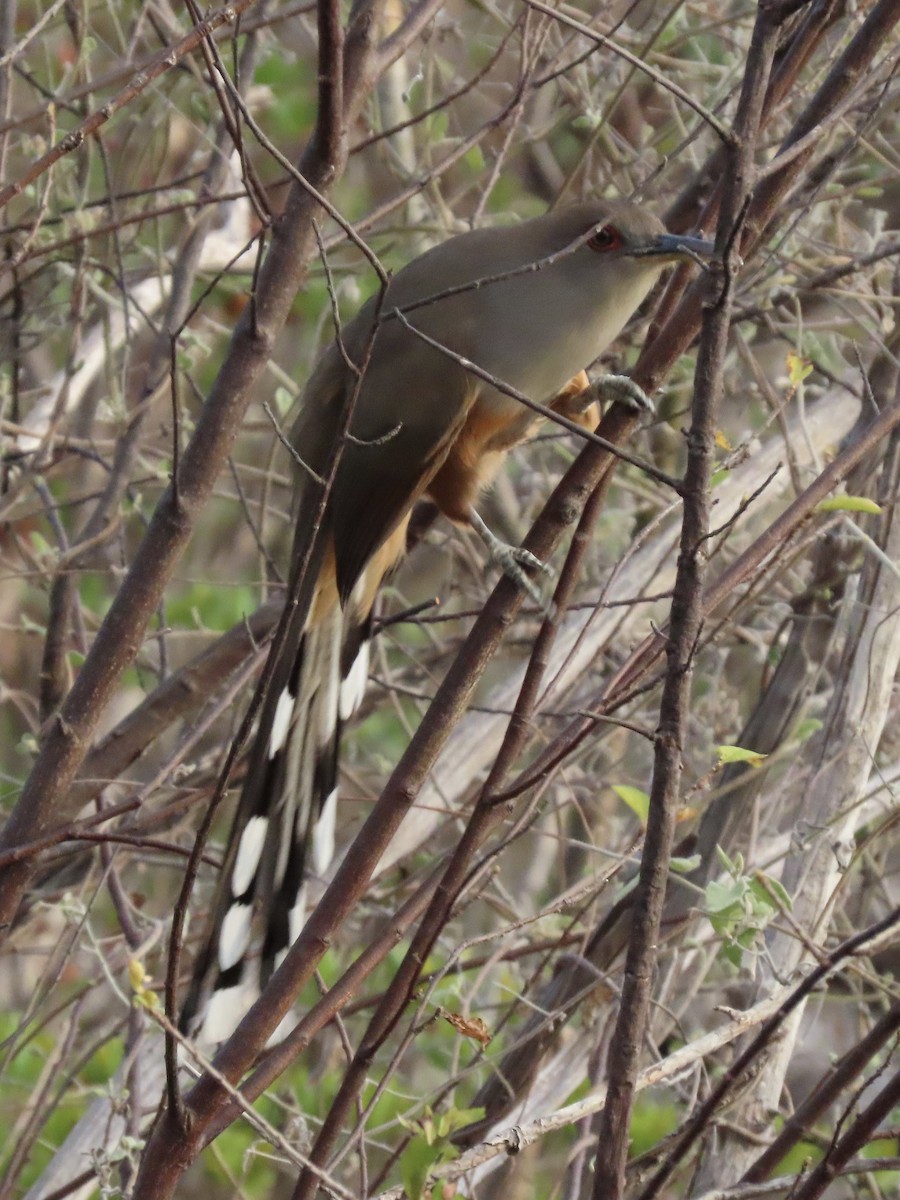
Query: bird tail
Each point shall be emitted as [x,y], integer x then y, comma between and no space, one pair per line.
[284,827]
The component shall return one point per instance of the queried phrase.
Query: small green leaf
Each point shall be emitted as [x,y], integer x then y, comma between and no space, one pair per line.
[776,886]
[637,801]
[142,994]
[415,1163]
[684,866]
[807,728]
[737,754]
[458,1118]
[731,867]
[40,545]
[438,124]
[474,159]
[765,902]
[849,504]
[798,368]
[720,897]
[733,953]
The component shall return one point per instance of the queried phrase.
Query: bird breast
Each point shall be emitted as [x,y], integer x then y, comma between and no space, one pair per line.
[536,338]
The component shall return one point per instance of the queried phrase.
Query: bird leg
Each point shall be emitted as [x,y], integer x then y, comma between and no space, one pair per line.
[577,402]
[512,559]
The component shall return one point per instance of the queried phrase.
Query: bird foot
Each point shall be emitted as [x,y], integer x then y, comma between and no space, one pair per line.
[515,561]
[622,390]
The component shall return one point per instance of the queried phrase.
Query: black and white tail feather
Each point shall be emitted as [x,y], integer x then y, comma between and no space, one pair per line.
[284,829]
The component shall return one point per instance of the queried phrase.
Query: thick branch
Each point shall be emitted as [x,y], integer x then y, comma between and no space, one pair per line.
[684,631]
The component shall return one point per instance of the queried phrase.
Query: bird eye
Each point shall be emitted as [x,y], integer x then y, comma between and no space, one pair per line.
[606,238]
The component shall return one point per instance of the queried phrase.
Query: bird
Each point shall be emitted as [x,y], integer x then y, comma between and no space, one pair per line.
[433,366]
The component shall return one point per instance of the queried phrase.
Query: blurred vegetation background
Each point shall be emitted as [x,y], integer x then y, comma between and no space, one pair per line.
[149,228]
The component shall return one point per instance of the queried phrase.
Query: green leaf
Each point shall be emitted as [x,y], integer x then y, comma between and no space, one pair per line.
[733,868]
[733,953]
[849,504]
[684,866]
[738,754]
[765,901]
[798,368]
[416,1162]
[807,728]
[459,1118]
[776,886]
[438,124]
[637,800]
[474,159]
[722,897]
[40,545]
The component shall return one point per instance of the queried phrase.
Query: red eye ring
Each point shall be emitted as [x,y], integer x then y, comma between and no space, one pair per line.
[605,238]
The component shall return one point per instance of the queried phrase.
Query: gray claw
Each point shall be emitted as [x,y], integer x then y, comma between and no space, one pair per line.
[524,558]
[513,560]
[625,391]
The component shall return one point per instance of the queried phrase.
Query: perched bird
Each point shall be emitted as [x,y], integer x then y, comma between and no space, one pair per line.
[530,305]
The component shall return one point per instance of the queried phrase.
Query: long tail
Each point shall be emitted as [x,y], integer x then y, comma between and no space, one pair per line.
[325,689]
[284,827]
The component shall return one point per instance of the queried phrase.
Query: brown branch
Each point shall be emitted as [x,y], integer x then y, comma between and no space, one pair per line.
[639,64]
[175,1139]
[157,66]
[790,61]
[274,1062]
[768,200]
[857,1136]
[413,24]
[684,631]
[111,78]
[850,67]
[694,1127]
[825,1094]
[592,469]
[752,560]
[45,800]
[176,698]
[486,815]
